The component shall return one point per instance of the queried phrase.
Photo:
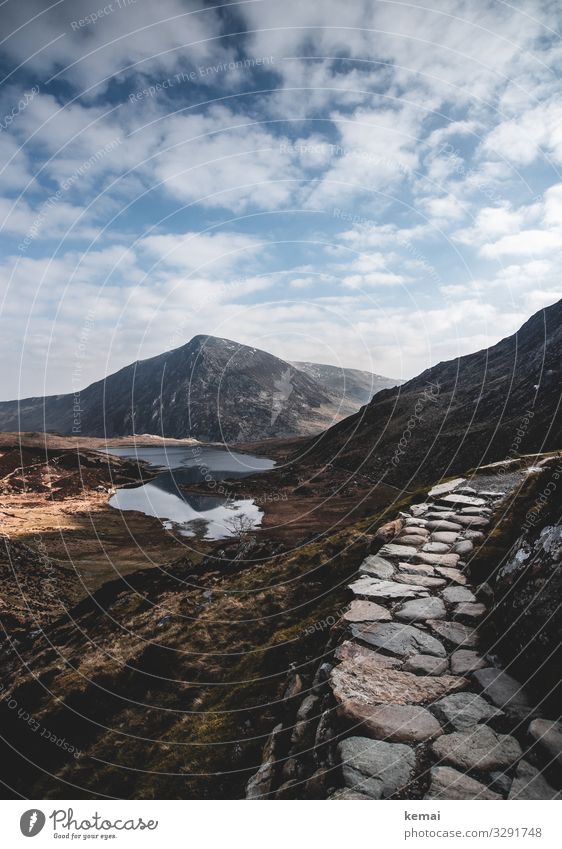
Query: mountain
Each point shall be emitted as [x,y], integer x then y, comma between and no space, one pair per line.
[499,402]
[214,390]
[355,385]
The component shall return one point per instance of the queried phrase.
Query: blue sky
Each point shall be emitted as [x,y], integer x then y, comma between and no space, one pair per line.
[371,184]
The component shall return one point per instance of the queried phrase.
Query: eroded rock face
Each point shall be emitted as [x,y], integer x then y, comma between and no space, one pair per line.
[375,768]
[478,748]
[449,783]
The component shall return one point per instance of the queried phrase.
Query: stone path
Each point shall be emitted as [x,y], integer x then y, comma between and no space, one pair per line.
[423,708]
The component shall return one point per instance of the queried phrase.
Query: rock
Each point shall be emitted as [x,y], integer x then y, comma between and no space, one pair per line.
[503,691]
[500,782]
[478,748]
[421,609]
[422,580]
[472,522]
[261,784]
[414,530]
[366,611]
[454,575]
[448,560]
[378,567]
[456,595]
[375,768]
[456,500]
[402,724]
[412,539]
[418,510]
[444,488]
[529,784]
[398,639]
[443,525]
[425,664]
[489,493]
[394,549]
[463,547]
[476,511]
[288,790]
[463,710]
[389,590]
[414,522]
[436,548]
[464,660]
[444,536]
[475,536]
[448,783]
[467,612]
[347,795]
[548,735]
[389,530]
[417,569]
[358,654]
[454,632]
[315,786]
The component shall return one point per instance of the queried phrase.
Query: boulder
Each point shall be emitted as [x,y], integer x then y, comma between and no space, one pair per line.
[375,768]
[478,748]
[402,724]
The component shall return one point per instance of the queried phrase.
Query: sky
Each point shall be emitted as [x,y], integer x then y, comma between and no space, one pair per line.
[368,183]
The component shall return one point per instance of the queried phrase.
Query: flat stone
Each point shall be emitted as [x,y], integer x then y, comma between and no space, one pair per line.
[417,569]
[436,548]
[548,735]
[444,536]
[444,488]
[478,748]
[440,514]
[475,536]
[378,567]
[463,547]
[503,691]
[375,768]
[389,590]
[530,784]
[454,575]
[449,783]
[463,710]
[456,500]
[366,611]
[421,609]
[414,540]
[473,522]
[418,510]
[456,595]
[360,655]
[443,525]
[423,580]
[398,639]
[454,632]
[449,560]
[476,511]
[394,549]
[464,660]
[417,529]
[469,613]
[490,493]
[425,664]
[403,724]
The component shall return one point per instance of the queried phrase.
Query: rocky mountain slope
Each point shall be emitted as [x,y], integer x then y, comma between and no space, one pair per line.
[499,402]
[347,383]
[211,389]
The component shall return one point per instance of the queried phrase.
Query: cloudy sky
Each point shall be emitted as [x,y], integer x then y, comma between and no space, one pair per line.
[368,183]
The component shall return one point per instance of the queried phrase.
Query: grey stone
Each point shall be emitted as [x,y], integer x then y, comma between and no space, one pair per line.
[421,609]
[472,522]
[456,500]
[463,710]
[376,768]
[456,595]
[417,530]
[398,639]
[423,580]
[444,488]
[425,664]
[548,735]
[477,748]
[454,632]
[454,575]
[414,540]
[395,550]
[463,547]
[448,560]
[347,795]
[444,536]
[530,784]
[500,782]
[436,548]
[413,521]
[476,511]
[449,783]
[503,691]
[378,567]
[417,569]
[475,536]
[389,590]
[403,724]
[418,510]
[443,525]
[261,784]
[366,611]
[464,661]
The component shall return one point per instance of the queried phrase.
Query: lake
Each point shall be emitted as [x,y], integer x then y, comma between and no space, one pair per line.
[192,515]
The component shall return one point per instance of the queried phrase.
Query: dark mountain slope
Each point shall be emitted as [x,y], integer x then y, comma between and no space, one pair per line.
[498,402]
[350,383]
[211,389]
